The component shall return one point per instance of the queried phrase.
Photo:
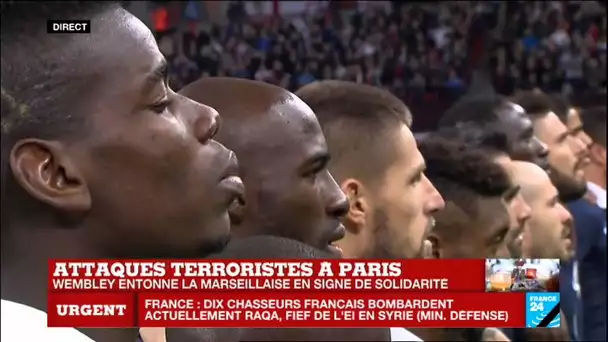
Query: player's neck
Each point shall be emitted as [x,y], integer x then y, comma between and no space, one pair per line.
[25,256]
[26,251]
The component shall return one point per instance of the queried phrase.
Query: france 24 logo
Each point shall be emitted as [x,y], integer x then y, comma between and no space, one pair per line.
[542,310]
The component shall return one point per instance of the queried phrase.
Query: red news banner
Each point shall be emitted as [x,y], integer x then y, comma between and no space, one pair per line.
[273,293]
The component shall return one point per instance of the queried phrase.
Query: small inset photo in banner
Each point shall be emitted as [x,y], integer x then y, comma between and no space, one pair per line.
[522,275]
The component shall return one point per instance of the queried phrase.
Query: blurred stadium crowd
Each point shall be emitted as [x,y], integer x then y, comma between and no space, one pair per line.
[421,52]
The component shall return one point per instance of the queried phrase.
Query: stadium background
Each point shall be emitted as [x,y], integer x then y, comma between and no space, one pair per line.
[424,52]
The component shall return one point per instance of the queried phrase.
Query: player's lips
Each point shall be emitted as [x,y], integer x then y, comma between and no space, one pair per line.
[336,235]
[567,233]
[334,250]
[427,249]
[543,162]
[519,240]
[519,230]
[431,222]
[429,226]
[231,182]
[582,163]
[567,236]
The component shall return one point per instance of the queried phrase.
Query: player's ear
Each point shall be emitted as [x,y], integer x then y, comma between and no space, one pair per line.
[359,206]
[48,173]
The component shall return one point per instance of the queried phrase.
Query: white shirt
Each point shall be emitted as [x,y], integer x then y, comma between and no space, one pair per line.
[23,323]
[402,335]
[599,193]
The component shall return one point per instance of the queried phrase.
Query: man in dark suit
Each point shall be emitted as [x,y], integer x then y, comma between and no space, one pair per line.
[590,214]
[589,278]
[567,159]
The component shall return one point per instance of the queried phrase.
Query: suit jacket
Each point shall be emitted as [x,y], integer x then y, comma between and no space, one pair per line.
[590,226]
[570,298]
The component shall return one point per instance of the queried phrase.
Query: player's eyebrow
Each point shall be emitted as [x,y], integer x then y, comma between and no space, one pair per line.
[512,192]
[159,73]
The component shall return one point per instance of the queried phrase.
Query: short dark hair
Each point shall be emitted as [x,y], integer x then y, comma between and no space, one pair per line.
[594,123]
[462,174]
[481,109]
[561,106]
[39,84]
[536,103]
[270,247]
[356,119]
[489,138]
[465,177]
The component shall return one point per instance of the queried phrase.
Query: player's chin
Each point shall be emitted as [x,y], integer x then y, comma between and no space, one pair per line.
[215,236]
[333,250]
[422,251]
[567,253]
[567,245]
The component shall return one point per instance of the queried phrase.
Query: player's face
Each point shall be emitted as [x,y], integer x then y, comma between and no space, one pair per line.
[519,213]
[550,225]
[479,235]
[404,203]
[290,191]
[525,145]
[567,157]
[575,127]
[159,184]
[489,240]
